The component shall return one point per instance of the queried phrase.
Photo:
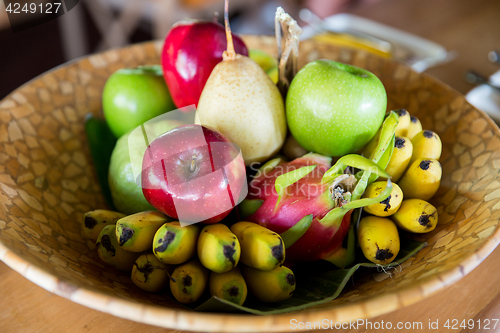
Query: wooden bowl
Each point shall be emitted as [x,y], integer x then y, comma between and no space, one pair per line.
[47,182]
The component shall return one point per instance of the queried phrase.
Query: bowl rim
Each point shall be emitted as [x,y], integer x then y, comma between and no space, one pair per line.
[227,322]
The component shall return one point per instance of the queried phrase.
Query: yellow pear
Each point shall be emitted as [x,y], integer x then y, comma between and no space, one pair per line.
[241,101]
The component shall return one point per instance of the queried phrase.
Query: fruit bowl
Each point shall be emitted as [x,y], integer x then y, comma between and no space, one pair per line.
[47,182]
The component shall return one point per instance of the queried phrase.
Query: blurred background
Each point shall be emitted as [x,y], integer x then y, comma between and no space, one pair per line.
[462,33]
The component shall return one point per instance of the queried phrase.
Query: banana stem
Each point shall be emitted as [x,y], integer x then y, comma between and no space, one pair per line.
[231,54]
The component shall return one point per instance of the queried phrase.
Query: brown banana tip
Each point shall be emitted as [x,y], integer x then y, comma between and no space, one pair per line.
[90,222]
[399,143]
[387,204]
[187,281]
[234,291]
[165,241]
[106,243]
[401,112]
[424,165]
[383,254]
[290,279]
[228,251]
[425,221]
[125,235]
[428,134]
[277,251]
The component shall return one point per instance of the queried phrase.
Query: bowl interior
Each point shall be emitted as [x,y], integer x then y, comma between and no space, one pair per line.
[47,182]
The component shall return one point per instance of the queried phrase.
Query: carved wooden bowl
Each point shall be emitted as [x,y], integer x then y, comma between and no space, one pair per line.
[47,182]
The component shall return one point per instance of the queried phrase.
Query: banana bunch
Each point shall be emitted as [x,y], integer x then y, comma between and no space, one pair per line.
[192,259]
[246,258]
[416,175]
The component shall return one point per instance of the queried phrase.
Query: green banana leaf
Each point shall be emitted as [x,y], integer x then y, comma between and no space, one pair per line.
[101,142]
[317,283]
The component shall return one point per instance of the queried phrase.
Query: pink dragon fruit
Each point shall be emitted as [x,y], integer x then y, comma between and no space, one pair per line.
[306,196]
[310,204]
[310,188]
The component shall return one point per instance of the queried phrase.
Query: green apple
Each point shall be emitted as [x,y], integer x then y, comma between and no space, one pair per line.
[126,165]
[334,108]
[132,96]
[266,61]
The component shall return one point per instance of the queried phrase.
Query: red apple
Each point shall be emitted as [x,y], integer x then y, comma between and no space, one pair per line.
[193,174]
[190,52]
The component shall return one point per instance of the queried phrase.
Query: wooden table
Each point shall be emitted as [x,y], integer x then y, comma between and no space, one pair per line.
[472,29]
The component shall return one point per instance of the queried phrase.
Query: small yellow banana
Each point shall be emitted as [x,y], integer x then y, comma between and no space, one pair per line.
[112,253]
[274,74]
[269,286]
[173,244]
[387,207]
[400,158]
[188,281]
[416,216]
[135,232]
[379,239]
[149,273]
[404,122]
[229,286]
[426,144]
[95,220]
[415,127]
[422,179]
[218,248]
[345,39]
[261,248]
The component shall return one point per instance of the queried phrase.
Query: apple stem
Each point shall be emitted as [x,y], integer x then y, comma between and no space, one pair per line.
[192,167]
[230,53]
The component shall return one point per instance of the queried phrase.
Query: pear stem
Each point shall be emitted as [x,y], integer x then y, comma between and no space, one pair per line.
[231,54]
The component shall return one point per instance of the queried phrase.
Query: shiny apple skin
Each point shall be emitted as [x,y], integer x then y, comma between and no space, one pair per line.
[191,51]
[206,193]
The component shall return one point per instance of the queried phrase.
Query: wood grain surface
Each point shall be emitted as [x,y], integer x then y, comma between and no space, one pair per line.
[471,29]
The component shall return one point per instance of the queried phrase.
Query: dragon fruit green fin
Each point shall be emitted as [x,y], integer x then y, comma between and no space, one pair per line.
[317,159]
[268,166]
[298,230]
[287,179]
[249,207]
